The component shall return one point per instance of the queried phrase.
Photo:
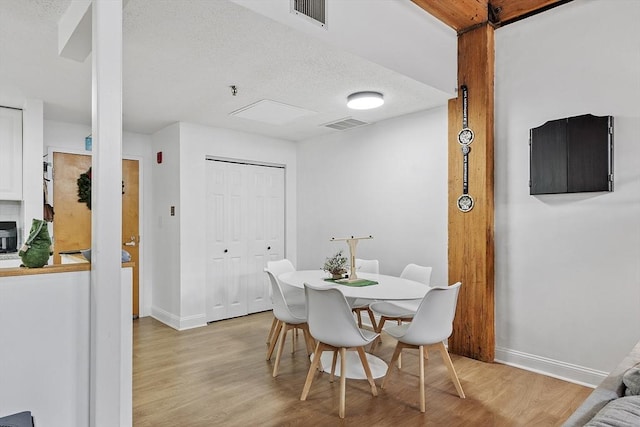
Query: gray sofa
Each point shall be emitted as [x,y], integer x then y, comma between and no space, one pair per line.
[612,403]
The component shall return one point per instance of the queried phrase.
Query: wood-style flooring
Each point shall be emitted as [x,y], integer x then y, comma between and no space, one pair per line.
[218,376]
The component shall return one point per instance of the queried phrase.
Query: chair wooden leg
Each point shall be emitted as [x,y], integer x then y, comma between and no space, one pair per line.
[294,339]
[381,324]
[274,340]
[373,319]
[283,336]
[451,369]
[357,311]
[308,339]
[378,340]
[422,397]
[399,356]
[274,323]
[396,353]
[312,370]
[343,381]
[367,370]
[333,365]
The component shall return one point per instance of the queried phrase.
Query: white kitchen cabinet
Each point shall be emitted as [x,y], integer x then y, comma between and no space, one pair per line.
[10,154]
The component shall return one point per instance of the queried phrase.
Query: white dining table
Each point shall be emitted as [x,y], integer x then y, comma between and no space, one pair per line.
[387,288]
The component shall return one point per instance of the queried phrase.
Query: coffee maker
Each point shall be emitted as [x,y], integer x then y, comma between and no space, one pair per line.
[8,237]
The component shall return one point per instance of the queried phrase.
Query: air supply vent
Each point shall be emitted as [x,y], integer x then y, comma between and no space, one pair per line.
[314,10]
[345,124]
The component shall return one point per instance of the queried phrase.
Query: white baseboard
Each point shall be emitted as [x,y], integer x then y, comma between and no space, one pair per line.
[176,322]
[191,322]
[550,367]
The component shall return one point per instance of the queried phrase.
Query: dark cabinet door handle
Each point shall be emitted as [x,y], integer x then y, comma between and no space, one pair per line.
[268,248]
[226,250]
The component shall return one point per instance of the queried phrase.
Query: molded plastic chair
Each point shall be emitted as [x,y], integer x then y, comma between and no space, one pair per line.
[431,325]
[360,304]
[332,325]
[402,310]
[290,317]
[294,296]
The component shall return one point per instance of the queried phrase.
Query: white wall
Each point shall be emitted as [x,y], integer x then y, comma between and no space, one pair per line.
[567,270]
[166,239]
[388,180]
[44,362]
[69,137]
[190,149]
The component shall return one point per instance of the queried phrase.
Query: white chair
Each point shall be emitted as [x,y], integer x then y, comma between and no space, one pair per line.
[294,296]
[402,310]
[360,304]
[332,325]
[431,325]
[290,317]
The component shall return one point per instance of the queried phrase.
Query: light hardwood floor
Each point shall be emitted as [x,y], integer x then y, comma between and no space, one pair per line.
[218,376]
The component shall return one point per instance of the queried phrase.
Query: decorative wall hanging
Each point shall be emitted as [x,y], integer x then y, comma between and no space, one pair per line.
[465,138]
[84,188]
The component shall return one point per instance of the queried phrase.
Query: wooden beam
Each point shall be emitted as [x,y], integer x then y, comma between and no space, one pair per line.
[458,14]
[471,244]
[508,11]
[463,15]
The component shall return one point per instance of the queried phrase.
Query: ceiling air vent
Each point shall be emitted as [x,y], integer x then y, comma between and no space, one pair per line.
[314,10]
[345,124]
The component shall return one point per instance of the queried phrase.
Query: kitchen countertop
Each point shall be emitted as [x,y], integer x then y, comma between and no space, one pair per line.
[47,269]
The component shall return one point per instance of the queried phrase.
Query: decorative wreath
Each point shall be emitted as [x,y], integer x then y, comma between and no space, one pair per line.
[84,188]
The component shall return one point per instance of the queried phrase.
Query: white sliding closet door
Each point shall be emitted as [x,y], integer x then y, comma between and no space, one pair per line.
[265,228]
[245,229]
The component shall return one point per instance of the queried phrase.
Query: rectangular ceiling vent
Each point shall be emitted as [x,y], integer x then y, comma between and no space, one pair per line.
[313,10]
[345,124]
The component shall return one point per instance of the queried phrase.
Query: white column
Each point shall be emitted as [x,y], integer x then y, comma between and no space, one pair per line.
[109,388]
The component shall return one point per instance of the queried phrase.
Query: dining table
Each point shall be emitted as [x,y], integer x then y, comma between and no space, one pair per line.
[372,287]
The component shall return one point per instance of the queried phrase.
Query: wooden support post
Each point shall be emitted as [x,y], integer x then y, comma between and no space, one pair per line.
[471,244]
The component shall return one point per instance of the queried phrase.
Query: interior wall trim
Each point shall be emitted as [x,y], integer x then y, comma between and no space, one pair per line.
[245,162]
[550,367]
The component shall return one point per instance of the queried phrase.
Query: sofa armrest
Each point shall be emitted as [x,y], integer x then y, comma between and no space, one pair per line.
[610,388]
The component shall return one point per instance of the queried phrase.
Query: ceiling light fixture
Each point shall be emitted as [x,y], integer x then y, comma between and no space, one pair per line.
[364,100]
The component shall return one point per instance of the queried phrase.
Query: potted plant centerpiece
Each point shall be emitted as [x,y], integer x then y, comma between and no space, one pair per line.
[336,265]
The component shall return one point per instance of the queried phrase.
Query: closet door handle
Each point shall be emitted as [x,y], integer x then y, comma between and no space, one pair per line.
[268,248]
[226,250]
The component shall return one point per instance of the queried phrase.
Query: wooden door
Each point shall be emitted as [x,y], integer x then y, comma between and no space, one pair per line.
[72,221]
[245,229]
[131,223]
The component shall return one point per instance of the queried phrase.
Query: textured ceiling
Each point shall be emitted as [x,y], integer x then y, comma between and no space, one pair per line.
[180,59]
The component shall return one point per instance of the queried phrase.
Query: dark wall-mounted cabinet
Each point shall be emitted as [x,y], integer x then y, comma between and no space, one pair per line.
[572,155]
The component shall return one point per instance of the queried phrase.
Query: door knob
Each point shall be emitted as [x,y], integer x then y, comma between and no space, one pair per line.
[131,242]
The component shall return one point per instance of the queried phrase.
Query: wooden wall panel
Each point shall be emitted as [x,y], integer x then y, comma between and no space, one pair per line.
[471,241]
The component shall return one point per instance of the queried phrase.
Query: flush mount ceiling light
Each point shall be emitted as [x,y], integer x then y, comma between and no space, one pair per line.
[364,100]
